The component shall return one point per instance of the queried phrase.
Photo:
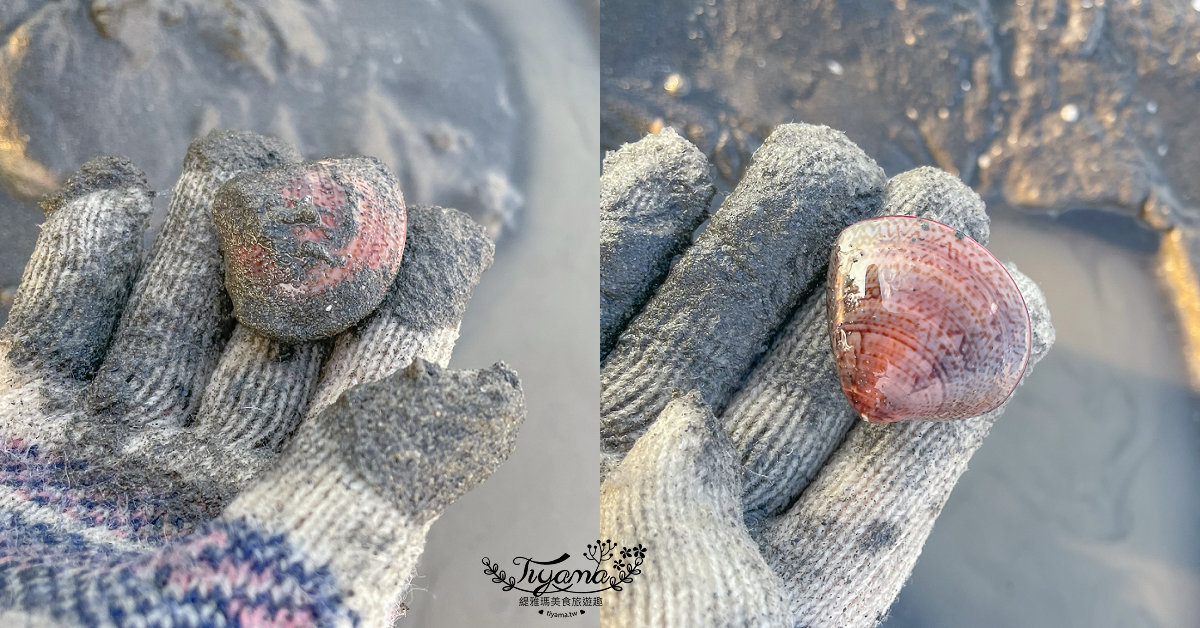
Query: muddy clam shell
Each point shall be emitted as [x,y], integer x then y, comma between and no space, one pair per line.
[310,249]
[925,323]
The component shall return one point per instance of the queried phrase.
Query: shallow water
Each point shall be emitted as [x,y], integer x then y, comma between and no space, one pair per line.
[1080,509]
[538,310]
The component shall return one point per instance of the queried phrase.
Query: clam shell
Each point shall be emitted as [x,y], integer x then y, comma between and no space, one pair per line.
[925,323]
[310,249]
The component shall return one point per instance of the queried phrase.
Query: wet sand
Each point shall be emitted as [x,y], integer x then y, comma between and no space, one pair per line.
[538,309]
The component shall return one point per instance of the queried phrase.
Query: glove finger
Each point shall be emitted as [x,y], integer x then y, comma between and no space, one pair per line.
[721,303]
[250,410]
[678,492]
[169,336]
[848,544]
[792,413]
[445,253]
[81,271]
[262,389]
[259,390]
[653,195]
[360,484]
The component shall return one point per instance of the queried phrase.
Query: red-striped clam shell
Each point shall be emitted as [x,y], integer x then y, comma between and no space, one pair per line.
[925,322]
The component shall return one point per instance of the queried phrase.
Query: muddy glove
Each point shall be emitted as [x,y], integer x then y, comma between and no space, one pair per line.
[165,466]
[730,451]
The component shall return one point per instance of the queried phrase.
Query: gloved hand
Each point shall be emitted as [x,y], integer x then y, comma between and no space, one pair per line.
[730,451]
[165,466]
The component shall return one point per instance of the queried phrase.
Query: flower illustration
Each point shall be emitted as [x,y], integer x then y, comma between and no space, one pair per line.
[600,552]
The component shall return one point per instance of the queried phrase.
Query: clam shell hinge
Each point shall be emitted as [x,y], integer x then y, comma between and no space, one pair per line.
[925,322]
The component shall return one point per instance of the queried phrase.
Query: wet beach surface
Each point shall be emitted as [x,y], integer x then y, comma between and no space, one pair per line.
[1076,123]
[1080,508]
[537,309]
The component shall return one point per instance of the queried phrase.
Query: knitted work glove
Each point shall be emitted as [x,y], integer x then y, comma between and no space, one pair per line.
[165,466]
[761,499]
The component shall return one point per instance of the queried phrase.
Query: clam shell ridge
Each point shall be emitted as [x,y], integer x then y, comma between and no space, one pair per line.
[925,323]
